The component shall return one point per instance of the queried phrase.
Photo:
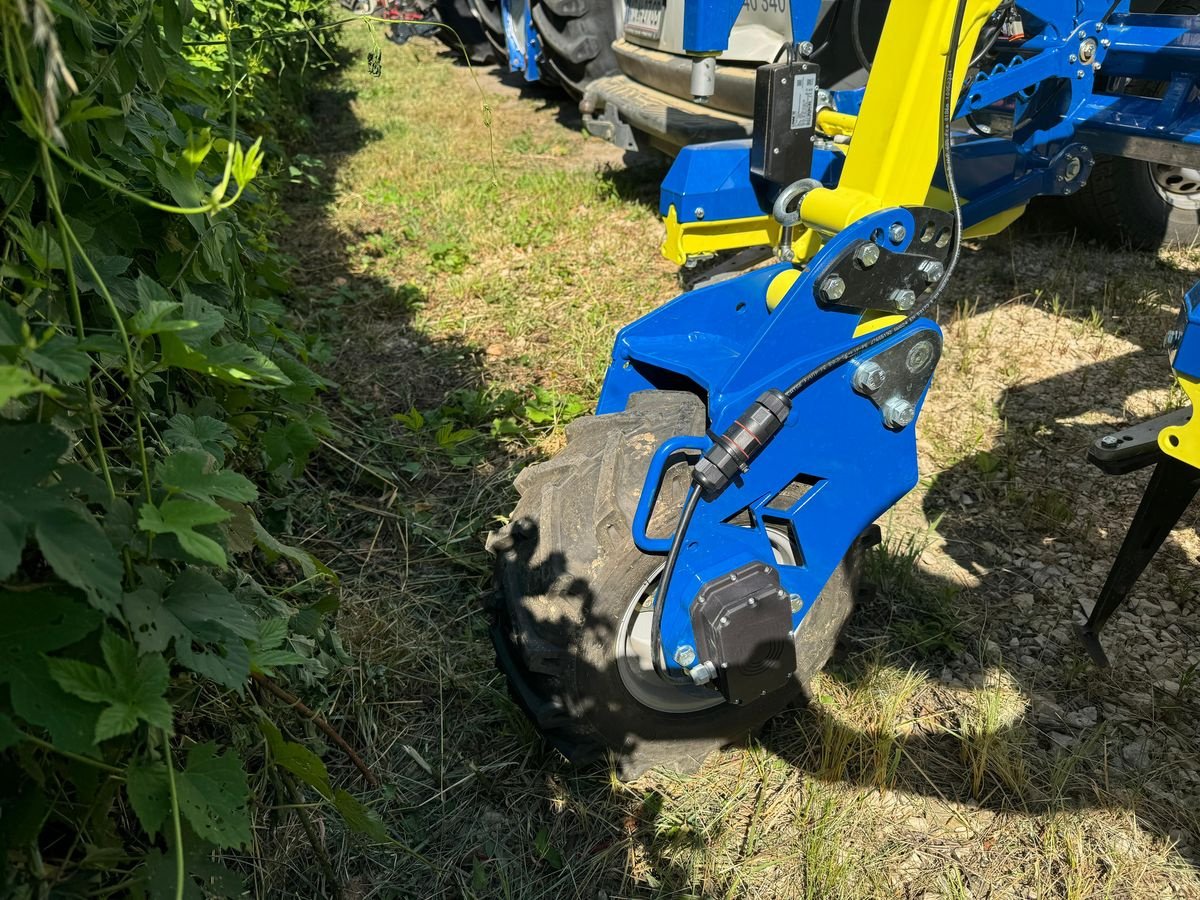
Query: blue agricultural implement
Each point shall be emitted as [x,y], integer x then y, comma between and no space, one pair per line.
[682,569]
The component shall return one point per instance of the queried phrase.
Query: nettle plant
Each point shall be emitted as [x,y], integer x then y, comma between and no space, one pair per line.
[153,402]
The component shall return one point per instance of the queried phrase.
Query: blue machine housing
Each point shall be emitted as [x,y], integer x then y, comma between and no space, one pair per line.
[521,38]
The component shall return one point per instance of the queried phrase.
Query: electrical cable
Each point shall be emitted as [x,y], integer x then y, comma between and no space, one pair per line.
[693,498]
[856,35]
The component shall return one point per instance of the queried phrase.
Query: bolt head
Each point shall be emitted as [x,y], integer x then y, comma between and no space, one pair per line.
[898,413]
[904,299]
[699,212]
[703,673]
[833,288]
[795,602]
[867,255]
[919,356]
[1110,442]
[932,270]
[897,233]
[868,377]
[1073,168]
[685,655]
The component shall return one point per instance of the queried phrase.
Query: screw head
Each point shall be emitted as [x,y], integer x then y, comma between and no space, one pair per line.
[795,602]
[833,288]
[685,655]
[903,299]
[919,356]
[868,377]
[699,212]
[897,233]
[867,255]
[898,413]
[703,673]
[1110,442]
[932,270]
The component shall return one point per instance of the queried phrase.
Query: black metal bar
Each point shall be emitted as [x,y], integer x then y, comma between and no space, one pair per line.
[1168,495]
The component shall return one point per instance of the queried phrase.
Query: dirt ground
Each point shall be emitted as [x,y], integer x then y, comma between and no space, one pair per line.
[468,255]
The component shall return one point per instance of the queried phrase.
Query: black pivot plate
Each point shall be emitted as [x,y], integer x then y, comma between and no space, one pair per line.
[873,274]
[743,626]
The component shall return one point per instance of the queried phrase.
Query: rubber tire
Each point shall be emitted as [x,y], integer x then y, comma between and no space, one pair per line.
[567,569]
[577,37]
[457,14]
[491,22]
[1121,205]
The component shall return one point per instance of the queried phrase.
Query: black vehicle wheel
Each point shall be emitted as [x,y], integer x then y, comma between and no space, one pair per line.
[574,602]
[1143,205]
[577,38]
[466,28]
[491,20]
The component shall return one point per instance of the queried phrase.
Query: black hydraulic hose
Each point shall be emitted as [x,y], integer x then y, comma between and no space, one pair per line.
[947,164]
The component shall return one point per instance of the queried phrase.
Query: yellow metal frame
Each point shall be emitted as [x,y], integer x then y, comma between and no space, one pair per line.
[894,143]
[1183,441]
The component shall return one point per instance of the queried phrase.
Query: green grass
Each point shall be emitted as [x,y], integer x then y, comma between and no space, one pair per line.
[462,282]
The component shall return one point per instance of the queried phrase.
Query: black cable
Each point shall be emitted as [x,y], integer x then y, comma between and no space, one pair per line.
[947,164]
[660,599]
[856,35]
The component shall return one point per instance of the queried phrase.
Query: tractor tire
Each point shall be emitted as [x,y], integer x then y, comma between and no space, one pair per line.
[1137,204]
[577,38]
[491,21]
[572,590]
[464,28]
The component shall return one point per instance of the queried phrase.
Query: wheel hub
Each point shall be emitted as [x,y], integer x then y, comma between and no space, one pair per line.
[1178,185]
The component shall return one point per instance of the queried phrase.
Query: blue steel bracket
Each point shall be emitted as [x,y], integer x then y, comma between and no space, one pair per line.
[827,475]
[1185,337]
[668,451]
[521,39]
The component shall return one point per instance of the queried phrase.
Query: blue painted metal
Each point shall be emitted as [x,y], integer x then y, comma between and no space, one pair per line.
[521,38]
[725,341]
[1185,359]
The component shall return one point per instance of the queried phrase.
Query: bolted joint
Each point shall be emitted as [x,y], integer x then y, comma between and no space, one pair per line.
[685,655]
[932,270]
[833,288]
[868,377]
[897,233]
[898,413]
[1110,442]
[703,673]
[867,255]
[903,299]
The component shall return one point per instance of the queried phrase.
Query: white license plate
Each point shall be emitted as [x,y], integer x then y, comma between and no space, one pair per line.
[644,17]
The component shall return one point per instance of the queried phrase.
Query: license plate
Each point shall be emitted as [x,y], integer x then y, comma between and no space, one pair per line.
[644,17]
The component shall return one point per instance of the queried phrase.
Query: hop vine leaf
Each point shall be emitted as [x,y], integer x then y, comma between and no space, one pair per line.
[194,473]
[181,518]
[131,689]
[213,796]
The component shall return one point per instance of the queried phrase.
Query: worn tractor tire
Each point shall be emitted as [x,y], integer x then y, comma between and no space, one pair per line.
[577,38]
[491,22]
[568,574]
[1137,204]
[466,28]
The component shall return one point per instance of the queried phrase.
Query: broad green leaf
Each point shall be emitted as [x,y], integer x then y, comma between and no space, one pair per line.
[204,605]
[358,817]
[172,25]
[181,518]
[153,70]
[192,472]
[308,620]
[201,433]
[16,382]
[297,759]
[149,793]
[33,623]
[14,529]
[80,554]
[274,548]
[61,357]
[157,310]
[131,689]
[28,454]
[234,362]
[14,332]
[84,109]
[291,443]
[213,796]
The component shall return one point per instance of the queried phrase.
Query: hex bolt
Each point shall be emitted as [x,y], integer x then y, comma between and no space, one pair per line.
[1079,74]
[897,233]
[868,377]
[1106,43]
[1074,167]
[805,49]
[685,655]
[919,356]
[1072,58]
[903,299]
[703,673]
[898,413]
[867,255]
[932,270]
[699,212]
[797,603]
[1110,442]
[833,288]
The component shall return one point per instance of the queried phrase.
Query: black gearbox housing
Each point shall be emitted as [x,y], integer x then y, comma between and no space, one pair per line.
[743,626]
